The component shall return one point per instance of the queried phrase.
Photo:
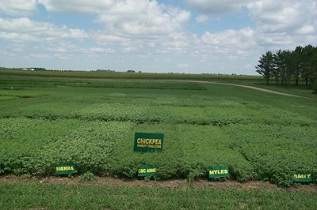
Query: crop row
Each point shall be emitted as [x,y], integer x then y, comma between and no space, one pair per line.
[254,151]
[217,114]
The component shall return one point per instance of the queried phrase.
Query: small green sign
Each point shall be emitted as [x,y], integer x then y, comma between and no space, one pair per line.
[65,170]
[302,178]
[147,170]
[216,173]
[148,142]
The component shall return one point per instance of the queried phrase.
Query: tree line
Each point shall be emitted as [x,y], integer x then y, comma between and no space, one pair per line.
[290,67]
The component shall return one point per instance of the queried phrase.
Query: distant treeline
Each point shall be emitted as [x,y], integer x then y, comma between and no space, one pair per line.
[285,67]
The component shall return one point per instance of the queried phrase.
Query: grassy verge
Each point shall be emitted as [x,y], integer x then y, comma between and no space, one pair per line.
[36,195]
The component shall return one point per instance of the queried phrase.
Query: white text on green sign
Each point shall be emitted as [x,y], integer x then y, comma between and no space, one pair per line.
[65,170]
[218,172]
[148,142]
[302,178]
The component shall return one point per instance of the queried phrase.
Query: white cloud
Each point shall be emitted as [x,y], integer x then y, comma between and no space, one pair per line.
[24,29]
[284,24]
[217,6]
[278,16]
[103,38]
[269,15]
[230,41]
[279,24]
[131,25]
[134,17]
[143,17]
[87,6]
[17,7]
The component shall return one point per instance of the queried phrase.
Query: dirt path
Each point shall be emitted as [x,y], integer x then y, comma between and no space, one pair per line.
[268,91]
[250,87]
[173,184]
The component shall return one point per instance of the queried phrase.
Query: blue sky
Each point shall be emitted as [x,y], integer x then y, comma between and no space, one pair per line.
[191,36]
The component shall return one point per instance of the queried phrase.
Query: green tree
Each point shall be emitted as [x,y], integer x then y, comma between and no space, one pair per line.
[286,66]
[278,65]
[307,59]
[297,55]
[314,69]
[265,66]
[289,67]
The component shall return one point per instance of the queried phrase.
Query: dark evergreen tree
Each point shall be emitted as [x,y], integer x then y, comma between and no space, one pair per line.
[290,67]
[265,66]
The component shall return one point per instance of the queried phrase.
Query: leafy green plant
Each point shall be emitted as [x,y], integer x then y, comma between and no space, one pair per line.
[87,177]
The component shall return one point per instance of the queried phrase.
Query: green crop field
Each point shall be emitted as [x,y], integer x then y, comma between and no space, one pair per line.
[45,121]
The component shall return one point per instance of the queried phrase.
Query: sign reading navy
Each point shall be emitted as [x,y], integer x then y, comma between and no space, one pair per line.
[148,142]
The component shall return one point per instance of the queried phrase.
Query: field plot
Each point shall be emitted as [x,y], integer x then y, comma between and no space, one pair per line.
[260,136]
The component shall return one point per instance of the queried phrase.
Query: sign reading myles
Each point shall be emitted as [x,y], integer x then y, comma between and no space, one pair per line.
[216,173]
[148,142]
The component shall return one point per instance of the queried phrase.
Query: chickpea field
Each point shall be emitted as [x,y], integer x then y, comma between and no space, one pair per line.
[45,121]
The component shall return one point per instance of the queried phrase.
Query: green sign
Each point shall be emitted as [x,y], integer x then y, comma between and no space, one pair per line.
[218,173]
[148,142]
[302,178]
[65,170]
[147,170]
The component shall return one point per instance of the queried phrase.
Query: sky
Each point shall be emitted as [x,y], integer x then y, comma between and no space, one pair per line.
[186,36]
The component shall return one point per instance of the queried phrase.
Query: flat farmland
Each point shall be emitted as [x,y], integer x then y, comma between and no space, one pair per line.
[45,121]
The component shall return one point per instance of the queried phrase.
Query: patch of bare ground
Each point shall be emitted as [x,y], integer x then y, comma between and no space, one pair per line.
[251,87]
[172,184]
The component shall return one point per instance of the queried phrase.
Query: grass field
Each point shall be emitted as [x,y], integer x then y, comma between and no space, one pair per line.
[36,195]
[46,121]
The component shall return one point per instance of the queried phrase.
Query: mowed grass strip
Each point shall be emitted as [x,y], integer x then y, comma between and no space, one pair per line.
[32,195]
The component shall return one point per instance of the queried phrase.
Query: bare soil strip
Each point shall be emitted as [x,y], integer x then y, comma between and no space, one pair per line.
[251,87]
[173,184]
[268,91]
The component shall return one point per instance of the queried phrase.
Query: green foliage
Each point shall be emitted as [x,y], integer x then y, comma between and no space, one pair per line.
[87,177]
[315,87]
[290,67]
[92,123]
[266,66]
